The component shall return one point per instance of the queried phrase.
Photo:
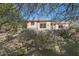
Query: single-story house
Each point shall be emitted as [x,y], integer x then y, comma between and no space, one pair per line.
[47,25]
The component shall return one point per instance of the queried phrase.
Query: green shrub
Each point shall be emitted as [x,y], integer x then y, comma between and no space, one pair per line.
[9,37]
[74,26]
[21,51]
[41,41]
[28,34]
[72,49]
[66,34]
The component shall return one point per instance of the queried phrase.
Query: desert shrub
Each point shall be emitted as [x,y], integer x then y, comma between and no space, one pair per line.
[74,26]
[72,49]
[71,41]
[41,41]
[9,37]
[66,34]
[48,52]
[28,34]
[21,51]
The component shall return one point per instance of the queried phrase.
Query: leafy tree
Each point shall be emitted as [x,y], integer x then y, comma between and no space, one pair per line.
[9,11]
[10,17]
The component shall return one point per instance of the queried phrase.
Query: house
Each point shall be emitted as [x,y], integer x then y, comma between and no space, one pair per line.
[46,25]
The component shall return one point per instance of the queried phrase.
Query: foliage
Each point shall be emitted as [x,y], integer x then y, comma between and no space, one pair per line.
[9,37]
[72,49]
[74,26]
[10,19]
[46,43]
[66,34]
[8,10]
[28,34]
[21,51]
[41,41]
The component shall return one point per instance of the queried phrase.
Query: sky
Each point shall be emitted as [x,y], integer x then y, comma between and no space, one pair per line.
[56,14]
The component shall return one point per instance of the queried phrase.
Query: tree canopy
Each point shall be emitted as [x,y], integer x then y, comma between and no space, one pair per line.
[9,11]
[9,16]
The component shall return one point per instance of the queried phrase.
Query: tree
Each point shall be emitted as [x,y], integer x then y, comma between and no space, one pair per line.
[10,17]
[10,11]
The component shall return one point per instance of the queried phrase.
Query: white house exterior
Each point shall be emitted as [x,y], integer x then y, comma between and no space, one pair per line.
[47,25]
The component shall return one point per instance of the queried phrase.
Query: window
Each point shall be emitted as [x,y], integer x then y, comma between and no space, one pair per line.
[32,23]
[42,25]
[60,26]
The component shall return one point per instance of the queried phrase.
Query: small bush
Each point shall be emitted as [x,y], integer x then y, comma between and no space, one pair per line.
[9,37]
[28,34]
[21,51]
[72,49]
[66,34]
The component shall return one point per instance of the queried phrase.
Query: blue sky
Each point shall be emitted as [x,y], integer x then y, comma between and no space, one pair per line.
[58,13]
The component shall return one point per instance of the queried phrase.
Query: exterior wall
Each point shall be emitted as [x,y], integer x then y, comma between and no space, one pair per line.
[65,26]
[36,26]
[31,26]
[49,25]
[55,26]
